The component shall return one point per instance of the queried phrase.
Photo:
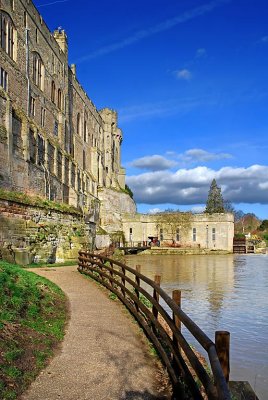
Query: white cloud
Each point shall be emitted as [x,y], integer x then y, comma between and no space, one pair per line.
[190,186]
[153,163]
[199,155]
[201,53]
[154,210]
[161,27]
[184,74]
[164,108]
[53,2]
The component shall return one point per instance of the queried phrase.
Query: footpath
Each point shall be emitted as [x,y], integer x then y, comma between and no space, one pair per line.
[102,356]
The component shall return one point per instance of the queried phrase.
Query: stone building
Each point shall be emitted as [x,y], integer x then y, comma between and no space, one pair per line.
[53,141]
[186,230]
[56,146]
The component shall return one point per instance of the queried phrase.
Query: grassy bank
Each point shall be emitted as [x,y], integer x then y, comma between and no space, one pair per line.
[32,319]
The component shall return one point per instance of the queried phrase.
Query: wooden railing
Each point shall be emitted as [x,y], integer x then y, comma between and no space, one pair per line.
[186,371]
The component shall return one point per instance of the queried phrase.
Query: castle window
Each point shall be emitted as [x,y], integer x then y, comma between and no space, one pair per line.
[85,131]
[66,139]
[53,91]
[32,146]
[40,150]
[32,106]
[7,31]
[36,35]
[161,234]
[43,116]
[38,71]
[213,234]
[84,160]
[177,235]
[3,78]
[56,128]
[25,19]
[78,124]
[71,143]
[59,165]
[194,234]
[59,99]
[73,175]
[78,181]
[51,157]
[66,171]
[16,132]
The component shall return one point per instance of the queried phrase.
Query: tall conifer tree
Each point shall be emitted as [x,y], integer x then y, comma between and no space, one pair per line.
[215,203]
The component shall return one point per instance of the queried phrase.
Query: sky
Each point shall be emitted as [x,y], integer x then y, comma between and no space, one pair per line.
[189,80]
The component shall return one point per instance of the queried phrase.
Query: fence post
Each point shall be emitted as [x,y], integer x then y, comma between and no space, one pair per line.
[111,275]
[176,296]
[157,281]
[222,343]
[123,282]
[137,280]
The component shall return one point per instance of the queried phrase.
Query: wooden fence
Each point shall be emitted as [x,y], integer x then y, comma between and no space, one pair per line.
[186,371]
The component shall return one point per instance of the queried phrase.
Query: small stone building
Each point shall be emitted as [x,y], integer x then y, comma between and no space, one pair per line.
[204,231]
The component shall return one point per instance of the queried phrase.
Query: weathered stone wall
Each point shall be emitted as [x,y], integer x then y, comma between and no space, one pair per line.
[211,231]
[114,205]
[31,234]
[53,140]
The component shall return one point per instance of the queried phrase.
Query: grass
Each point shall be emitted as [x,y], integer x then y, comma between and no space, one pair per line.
[23,198]
[33,313]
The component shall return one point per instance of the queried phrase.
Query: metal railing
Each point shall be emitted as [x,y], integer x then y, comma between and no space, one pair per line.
[185,369]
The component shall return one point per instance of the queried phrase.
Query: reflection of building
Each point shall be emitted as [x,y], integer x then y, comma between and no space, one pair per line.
[53,141]
[212,231]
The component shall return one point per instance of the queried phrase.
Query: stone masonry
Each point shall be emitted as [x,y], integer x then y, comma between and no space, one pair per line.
[53,140]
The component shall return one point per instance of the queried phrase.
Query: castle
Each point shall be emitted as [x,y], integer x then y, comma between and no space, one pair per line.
[54,142]
[56,146]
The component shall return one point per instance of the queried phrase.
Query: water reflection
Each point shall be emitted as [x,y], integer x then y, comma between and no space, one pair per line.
[223,292]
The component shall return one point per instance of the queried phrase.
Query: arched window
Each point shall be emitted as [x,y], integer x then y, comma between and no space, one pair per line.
[38,71]
[60,99]
[7,30]
[78,124]
[53,91]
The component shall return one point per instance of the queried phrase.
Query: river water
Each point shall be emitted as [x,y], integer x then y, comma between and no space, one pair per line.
[222,292]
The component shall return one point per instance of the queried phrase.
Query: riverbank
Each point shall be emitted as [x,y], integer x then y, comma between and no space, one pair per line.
[33,313]
[181,251]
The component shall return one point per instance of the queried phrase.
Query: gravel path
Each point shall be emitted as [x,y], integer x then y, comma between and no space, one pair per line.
[102,355]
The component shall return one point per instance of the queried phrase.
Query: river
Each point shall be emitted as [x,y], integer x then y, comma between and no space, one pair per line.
[222,292]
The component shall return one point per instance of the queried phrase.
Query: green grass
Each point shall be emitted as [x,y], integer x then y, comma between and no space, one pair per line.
[32,321]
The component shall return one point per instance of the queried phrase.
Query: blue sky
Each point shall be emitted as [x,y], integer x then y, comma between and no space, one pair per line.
[189,80]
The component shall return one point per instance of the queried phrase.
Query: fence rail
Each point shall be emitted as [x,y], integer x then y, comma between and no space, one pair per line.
[164,329]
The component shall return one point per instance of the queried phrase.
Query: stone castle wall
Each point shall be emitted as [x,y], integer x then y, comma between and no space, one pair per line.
[53,140]
[32,234]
